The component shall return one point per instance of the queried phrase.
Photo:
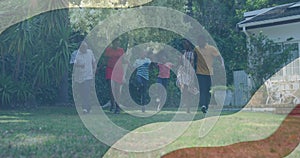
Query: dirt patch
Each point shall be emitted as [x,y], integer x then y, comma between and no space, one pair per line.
[279,144]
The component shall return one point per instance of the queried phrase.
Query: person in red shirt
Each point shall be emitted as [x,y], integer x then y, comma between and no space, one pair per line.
[114,72]
[163,75]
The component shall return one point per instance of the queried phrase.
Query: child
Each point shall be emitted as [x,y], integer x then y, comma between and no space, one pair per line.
[163,75]
[142,64]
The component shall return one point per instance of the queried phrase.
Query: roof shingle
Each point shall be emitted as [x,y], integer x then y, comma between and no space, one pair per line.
[281,11]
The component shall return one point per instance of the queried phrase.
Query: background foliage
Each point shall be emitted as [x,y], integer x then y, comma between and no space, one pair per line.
[34,53]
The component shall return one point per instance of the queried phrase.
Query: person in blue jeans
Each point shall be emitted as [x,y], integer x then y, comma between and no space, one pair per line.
[142,76]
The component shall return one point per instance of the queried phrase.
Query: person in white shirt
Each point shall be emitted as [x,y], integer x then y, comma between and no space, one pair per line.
[84,73]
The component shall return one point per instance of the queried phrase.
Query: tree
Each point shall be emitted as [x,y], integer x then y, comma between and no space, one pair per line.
[36,54]
[265,58]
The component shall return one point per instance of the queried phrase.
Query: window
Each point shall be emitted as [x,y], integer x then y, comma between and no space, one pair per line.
[292,67]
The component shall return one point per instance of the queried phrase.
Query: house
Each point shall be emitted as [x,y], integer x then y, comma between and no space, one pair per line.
[282,25]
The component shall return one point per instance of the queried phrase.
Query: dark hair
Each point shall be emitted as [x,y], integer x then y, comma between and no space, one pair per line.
[187,45]
[117,40]
[83,46]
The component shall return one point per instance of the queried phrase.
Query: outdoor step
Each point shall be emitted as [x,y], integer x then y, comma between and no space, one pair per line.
[283,110]
[272,106]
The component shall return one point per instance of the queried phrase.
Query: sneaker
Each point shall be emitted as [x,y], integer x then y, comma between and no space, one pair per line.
[85,111]
[108,104]
[117,112]
[187,108]
[111,109]
[203,109]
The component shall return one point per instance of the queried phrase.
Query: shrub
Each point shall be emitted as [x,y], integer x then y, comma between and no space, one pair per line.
[7,90]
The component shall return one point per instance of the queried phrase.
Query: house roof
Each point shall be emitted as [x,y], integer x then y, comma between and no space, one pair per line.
[281,14]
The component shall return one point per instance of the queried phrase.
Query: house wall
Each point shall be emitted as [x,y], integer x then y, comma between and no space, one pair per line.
[280,33]
[287,33]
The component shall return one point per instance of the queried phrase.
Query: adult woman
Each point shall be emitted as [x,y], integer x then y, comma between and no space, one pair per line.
[85,64]
[185,76]
[114,72]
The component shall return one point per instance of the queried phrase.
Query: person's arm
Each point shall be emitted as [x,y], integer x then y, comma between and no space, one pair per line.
[217,54]
[94,64]
[221,60]
[107,52]
[213,50]
[180,61]
[197,50]
[73,57]
[78,63]
[148,61]
[169,64]
[153,65]
[125,59]
[136,63]
[192,61]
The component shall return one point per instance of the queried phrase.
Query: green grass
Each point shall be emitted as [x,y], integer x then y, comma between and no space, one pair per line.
[46,132]
[230,129]
[59,132]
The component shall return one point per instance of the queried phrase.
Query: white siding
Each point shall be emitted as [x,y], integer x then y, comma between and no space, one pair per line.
[280,33]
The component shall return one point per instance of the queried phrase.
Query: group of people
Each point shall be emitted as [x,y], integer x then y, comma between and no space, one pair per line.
[197,60]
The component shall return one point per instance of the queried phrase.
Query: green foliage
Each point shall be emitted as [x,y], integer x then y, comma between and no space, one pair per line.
[35,53]
[46,94]
[266,57]
[7,90]
[221,87]
[23,92]
[14,93]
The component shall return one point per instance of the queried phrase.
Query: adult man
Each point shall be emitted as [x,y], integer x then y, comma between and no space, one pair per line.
[205,57]
[85,64]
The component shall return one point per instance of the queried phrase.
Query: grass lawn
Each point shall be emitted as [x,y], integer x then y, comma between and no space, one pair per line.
[230,129]
[46,132]
[59,132]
